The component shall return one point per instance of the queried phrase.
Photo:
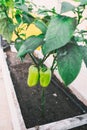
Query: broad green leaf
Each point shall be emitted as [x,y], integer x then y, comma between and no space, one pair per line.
[69,62]
[2,25]
[6,28]
[22,7]
[18,43]
[84,53]
[67,7]
[41,25]
[27,18]
[60,31]
[30,44]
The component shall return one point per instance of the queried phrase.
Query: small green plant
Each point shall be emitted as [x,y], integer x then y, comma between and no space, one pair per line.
[60,35]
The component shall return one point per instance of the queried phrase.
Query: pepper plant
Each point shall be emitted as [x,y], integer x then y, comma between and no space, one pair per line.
[59,37]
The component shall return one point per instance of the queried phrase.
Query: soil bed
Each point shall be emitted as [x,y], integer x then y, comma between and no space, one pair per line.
[57,107]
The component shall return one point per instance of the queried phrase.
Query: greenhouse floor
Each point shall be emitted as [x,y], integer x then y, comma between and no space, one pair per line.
[5,118]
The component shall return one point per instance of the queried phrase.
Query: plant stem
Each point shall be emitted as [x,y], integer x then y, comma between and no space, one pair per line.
[17,34]
[52,67]
[33,58]
[43,102]
[42,61]
[79,11]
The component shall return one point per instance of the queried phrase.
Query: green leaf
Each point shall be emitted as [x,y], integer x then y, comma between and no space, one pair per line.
[2,15]
[41,25]
[46,19]
[30,44]
[83,2]
[20,1]
[18,18]
[23,1]
[43,11]
[84,53]
[1,2]
[6,29]
[18,43]
[67,7]
[2,25]
[77,0]
[22,7]
[60,31]
[9,3]
[27,18]
[69,62]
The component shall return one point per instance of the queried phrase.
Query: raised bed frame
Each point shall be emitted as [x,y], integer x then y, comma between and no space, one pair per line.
[16,116]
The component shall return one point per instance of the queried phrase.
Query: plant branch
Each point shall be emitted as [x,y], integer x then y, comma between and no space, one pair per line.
[43,102]
[33,58]
[45,57]
[53,67]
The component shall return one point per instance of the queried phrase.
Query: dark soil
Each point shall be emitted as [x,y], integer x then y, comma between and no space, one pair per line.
[58,106]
